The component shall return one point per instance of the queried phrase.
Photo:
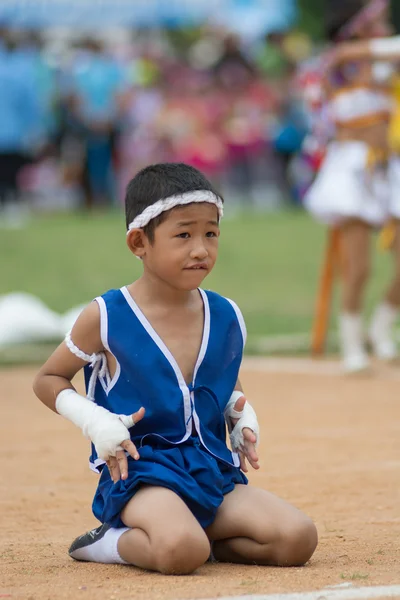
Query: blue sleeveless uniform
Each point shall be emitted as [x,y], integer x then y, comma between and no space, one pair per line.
[182,438]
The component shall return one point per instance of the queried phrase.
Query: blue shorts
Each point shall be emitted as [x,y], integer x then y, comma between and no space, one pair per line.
[187,469]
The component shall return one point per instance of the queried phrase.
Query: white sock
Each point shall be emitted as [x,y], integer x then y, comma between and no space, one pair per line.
[381,331]
[103,550]
[351,341]
[383,320]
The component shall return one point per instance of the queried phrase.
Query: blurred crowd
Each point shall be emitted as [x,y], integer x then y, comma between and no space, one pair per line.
[78,119]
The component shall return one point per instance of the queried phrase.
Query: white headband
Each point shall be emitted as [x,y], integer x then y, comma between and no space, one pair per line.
[161,206]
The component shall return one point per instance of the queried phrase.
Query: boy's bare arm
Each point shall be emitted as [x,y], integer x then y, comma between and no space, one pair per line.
[58,371]
[108,432]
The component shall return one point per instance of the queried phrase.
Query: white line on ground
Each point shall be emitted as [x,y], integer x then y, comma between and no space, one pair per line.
[292,343]
[312,366]
[363,593]
[307,366]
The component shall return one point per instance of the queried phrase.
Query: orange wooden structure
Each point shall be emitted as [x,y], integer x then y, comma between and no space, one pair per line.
[331,268]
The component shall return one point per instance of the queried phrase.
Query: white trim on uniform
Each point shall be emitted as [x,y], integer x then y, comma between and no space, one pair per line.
[240,318]
[159,342]
[235,456]
[104,339]
[207,327]
[103,322]
[94,466]
[103,383]
[188,396]
[206,333]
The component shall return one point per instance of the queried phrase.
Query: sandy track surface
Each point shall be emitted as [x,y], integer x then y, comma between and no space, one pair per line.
[330,445]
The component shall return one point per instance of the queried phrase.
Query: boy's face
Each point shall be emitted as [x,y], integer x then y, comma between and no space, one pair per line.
[185,246]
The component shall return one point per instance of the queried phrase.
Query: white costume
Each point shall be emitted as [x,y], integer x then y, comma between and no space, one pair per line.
[351,182]
[358,181]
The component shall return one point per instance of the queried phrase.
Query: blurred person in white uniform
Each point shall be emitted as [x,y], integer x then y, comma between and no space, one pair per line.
[358,186]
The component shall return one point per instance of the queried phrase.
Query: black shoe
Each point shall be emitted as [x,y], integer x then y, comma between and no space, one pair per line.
[87,539]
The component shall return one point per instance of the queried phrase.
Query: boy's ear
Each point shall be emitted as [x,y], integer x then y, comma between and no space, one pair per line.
[136,241]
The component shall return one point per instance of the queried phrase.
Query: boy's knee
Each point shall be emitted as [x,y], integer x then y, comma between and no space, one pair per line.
[182,553]
[298,544]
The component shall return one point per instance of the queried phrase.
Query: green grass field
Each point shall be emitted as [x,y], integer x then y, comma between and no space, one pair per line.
[269,264]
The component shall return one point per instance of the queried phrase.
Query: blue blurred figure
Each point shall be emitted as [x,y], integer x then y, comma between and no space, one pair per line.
[289,133]
[20,118]
[94,88]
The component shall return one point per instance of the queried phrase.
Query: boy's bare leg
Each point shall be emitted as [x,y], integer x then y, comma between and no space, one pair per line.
[254,526]
[165,536]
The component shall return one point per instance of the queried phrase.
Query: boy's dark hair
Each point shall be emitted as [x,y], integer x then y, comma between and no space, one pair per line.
[157,182]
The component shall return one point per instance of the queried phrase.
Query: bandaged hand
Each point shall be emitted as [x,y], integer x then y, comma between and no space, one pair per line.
[108,432]
[244,430]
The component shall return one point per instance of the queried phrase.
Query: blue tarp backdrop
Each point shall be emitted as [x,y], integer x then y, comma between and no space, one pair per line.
[241,15]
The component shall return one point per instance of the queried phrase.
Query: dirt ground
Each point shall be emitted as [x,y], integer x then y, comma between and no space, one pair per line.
[330,445]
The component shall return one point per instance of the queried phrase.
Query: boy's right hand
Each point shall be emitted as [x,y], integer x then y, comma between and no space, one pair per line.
[118,464]
[108,432]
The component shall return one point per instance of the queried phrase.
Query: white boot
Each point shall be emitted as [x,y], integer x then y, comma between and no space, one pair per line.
[355,358]
[381,331]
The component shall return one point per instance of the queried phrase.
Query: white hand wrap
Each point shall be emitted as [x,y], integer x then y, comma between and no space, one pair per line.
[247,418]
[105,429]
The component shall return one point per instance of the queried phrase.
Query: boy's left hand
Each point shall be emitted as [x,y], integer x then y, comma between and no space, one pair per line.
[248,450]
